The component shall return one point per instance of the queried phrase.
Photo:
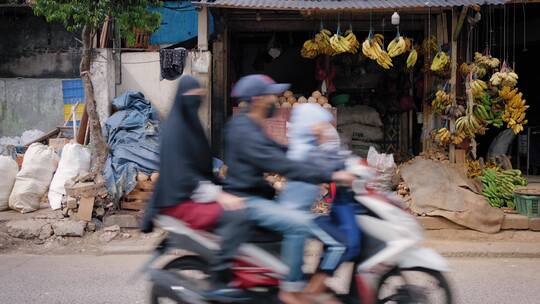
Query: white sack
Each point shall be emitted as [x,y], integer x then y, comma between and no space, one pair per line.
[386,168]
[32,181]
[9,169]
[361,148]
[361,114]
[75,159]
[361,132]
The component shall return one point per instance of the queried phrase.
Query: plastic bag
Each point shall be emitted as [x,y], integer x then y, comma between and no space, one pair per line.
[386,168]
[9,169]
[31,135]
[32,181]
[75,160]
[200,62]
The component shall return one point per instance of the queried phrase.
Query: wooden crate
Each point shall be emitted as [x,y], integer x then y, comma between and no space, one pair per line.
[137,199]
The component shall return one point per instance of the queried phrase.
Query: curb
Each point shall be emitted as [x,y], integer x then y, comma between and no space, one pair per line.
[510,222]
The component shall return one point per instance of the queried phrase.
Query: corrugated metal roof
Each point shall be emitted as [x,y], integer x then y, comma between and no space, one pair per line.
[340,4]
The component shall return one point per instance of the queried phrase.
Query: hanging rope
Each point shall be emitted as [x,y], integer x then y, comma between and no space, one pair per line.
[524,28]
[514,41]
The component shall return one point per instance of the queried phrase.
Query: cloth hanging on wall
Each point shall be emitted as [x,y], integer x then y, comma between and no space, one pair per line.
[172,62]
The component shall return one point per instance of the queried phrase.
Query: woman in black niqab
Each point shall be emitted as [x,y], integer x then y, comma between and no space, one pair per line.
[185,154]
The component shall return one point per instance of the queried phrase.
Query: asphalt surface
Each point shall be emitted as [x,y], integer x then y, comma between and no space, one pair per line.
[89,279]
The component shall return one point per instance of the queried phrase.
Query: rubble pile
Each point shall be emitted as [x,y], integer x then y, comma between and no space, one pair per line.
[86,198]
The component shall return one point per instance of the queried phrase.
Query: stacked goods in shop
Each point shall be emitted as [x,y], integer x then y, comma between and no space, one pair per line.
[288,100]
[499,186]
[361,127]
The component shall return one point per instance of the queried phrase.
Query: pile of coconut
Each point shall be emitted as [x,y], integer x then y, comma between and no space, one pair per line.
[289,100]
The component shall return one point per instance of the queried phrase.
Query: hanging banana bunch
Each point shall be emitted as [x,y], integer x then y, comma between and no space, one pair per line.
[354,45]
[411,59]
[397,46]
[373,48]
[440,62]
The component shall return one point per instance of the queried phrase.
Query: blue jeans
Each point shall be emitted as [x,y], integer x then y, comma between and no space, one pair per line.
[299,195]
[296,226]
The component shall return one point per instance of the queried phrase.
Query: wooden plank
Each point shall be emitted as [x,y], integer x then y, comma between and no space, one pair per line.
[202,27]
[461,156]
[81,135]
[139,195]
[133,205]
[459,25]
[104,37]
[86,205]
[146,185]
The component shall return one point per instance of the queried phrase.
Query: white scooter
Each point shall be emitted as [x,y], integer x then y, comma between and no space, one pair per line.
[391,268]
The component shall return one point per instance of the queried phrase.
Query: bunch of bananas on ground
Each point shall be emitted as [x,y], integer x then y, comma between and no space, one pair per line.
[411,59]
[499,185]
[478,88]
[440,61]
[479,71]
[441,102]
[469,125]
[397,46]
[443,136]
[514,111]
[373,49]
[486,60]
[473,168]
[504,78]
[353,42]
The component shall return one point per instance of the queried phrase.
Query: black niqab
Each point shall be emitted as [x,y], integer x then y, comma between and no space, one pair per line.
[185,154]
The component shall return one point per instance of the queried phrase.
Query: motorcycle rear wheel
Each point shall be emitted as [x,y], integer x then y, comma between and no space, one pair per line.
[409,293]
[189,263]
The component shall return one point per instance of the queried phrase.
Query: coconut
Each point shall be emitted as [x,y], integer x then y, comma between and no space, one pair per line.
[288,94]
[316,94]
[291,100]
[286,105]
[312,100]
[282,99]
[322,100]
[327,106]
[302,99]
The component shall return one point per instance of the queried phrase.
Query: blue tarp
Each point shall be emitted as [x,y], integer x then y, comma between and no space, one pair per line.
[179,21]
[133,137]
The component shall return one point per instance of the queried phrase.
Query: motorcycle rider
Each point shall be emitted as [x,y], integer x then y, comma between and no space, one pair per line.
[250,153]
[187,188]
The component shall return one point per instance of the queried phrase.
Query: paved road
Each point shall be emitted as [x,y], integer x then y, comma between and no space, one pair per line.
[104,279]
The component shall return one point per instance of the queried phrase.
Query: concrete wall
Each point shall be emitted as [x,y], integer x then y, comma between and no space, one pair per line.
[141,72]
[32,48]
[30,104]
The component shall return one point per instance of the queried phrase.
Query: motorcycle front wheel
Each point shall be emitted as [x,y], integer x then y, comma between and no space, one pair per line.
[190,267]
[414,285]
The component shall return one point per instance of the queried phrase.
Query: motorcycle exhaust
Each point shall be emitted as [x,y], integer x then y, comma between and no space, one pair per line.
[174,287]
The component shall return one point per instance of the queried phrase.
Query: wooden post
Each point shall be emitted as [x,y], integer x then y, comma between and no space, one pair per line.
[202,29]
[457,25]
[453,79]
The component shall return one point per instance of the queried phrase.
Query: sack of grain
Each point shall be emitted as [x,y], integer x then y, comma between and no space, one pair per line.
[75,159]
[361,132]
[9,169]
[361,114]
[32,181]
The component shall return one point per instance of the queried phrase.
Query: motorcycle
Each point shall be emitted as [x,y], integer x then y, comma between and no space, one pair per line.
[390,263]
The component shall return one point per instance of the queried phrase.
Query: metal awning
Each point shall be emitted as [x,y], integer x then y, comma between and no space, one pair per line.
[337,5]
